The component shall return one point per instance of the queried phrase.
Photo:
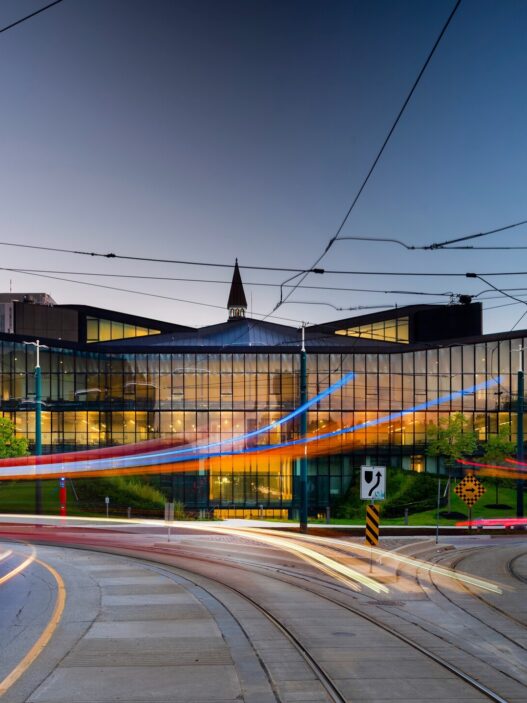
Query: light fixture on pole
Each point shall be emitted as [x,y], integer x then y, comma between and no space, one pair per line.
[303,432]
[38,421]
[519,435]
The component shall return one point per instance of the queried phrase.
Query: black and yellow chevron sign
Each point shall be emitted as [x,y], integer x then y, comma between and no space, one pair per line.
[372,525]
[470,490]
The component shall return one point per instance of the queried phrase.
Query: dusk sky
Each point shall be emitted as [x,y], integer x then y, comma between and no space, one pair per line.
[213,130]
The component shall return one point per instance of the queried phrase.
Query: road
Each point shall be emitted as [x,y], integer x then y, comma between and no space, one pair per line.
[214,615]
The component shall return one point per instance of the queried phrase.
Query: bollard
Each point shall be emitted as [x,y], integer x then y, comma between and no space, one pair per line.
[406,516]
[260,512]
[328,515]
[129,513]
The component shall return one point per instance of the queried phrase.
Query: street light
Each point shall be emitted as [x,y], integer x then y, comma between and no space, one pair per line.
[303,432]
[519,430]
[38,421]
[519,448]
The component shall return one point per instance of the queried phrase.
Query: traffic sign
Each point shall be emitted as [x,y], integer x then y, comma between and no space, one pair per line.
[470,490]
[372,482]
[372,525]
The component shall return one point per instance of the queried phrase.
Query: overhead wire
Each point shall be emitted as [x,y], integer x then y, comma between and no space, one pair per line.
[438,294]
[206,280]
[444,246]
[380,152]
[137,292]
[339,272]
[27,17]
[499,290]
[127,257]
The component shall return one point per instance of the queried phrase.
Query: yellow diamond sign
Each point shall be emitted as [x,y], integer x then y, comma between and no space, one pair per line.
[470,490]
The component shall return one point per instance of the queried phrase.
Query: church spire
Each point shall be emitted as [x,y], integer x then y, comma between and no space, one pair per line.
[237,303]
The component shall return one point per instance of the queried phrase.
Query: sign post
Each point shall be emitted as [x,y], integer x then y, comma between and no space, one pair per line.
[169,517]
[62,496]
[372,488]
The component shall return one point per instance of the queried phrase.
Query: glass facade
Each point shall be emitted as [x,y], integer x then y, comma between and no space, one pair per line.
[97,399]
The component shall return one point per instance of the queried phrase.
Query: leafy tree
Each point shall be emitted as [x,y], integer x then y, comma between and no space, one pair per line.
[452,440]
[10,445]
[495,450]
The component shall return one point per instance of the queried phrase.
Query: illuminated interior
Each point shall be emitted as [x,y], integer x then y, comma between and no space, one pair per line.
[104,399]
[98,330]
[395,330]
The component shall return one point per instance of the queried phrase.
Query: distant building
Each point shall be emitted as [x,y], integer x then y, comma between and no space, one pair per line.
[111,378]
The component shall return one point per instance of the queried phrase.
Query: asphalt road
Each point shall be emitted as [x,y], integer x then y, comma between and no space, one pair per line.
[220,618]
[27,601]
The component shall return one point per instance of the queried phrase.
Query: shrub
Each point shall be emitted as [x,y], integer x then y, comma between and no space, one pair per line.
[405,489]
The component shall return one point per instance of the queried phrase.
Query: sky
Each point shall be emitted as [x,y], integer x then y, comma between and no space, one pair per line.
[209,130]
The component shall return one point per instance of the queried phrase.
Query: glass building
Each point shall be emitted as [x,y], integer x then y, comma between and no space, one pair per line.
[114,379]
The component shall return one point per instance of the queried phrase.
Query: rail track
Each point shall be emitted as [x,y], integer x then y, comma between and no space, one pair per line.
[161,559]
[325,679]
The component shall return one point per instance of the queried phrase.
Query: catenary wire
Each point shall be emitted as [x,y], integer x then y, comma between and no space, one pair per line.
[344,272]
[111,255]
[498,290]
[27,17]
[192,302]
[205,280]
[137,292]
[443,246]
[32,272]
[381,150]
[448,294]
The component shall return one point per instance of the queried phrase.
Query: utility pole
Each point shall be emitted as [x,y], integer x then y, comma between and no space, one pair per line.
[303,433]
[38,421]
[519,436]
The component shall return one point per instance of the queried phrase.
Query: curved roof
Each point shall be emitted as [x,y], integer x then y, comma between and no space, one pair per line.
[243,333]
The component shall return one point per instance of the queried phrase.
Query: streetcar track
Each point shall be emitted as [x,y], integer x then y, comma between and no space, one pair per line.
[324,678]
[470,680]
[483,600]
[451,668]
[512,572]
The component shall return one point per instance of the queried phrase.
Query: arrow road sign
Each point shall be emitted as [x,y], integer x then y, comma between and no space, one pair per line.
[470,490]
[372,482]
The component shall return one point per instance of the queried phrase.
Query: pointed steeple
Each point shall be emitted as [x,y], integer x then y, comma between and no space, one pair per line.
[237,303]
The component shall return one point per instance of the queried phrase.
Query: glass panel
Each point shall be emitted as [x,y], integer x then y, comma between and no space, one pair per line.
[395,330]
[105,330]
[92,329]
[117,330]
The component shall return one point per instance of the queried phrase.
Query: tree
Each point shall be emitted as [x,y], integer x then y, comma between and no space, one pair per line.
[495,450]
[10,445]
[452,440]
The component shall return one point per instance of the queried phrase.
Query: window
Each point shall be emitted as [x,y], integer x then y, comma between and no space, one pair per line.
[395,330]
[98,330]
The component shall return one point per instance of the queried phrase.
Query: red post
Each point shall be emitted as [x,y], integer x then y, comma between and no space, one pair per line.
[62,495]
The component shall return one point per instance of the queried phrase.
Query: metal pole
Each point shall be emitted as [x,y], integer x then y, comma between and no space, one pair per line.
[519,437]
[38,428]
[303,432]
[437,512]
[62,496]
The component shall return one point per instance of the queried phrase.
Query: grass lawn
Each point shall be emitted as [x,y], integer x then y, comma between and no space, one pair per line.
[507,496]
[19,497]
